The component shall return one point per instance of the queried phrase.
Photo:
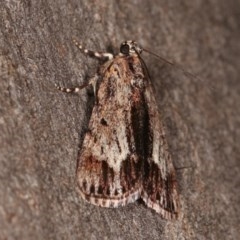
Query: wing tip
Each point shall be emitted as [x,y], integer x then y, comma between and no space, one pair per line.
[157,207]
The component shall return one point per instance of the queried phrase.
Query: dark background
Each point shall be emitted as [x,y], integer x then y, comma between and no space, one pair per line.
[41,129]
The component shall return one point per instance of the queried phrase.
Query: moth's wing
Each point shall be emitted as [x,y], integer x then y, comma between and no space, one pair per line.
[159,181]
[109,170]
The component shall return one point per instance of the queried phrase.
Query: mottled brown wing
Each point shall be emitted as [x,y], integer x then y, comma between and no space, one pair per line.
[109,170]
[159,180]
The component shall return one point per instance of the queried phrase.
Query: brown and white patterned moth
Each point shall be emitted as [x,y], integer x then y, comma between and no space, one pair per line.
[124,155]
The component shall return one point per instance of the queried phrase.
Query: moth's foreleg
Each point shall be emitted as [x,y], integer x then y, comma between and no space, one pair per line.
[92,81]
[90,53]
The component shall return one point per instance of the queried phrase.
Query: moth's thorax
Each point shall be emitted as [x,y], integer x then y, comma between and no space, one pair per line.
[123,80]
[124,67]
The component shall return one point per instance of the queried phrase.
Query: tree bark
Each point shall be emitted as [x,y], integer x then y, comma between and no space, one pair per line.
[42,129]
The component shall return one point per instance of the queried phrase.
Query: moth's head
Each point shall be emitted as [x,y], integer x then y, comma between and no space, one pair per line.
[130,48]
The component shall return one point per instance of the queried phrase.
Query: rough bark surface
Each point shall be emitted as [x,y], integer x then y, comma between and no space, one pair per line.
[41,129]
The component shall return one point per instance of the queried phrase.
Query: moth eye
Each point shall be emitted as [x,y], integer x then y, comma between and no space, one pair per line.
[124,49]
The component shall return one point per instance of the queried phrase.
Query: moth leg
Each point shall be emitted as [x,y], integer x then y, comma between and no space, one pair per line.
[98,55]
[92,81]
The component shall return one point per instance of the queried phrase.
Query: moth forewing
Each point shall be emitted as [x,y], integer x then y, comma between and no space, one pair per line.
[109,171]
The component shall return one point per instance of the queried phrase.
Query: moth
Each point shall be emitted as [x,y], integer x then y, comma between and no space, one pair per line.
[124,154]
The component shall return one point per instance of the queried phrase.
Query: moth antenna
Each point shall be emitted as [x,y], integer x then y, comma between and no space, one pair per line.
[157,56]
[173,64]
[213,88]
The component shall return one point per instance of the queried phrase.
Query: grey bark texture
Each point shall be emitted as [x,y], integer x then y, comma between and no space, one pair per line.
[41,129]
